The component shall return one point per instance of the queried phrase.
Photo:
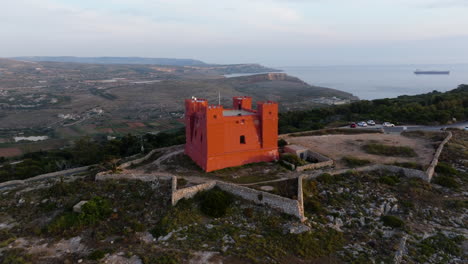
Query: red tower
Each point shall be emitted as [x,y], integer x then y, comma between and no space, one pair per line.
[218,138]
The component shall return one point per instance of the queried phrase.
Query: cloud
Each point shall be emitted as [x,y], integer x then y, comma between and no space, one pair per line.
[228,31]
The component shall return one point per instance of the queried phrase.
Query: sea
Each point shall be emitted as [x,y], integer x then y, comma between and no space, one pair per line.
[381,81]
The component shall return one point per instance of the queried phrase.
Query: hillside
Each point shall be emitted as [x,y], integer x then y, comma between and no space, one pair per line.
[114,60]
[427,109]
[64,101]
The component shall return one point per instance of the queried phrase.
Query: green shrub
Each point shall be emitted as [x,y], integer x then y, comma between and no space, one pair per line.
[446,181]
[385,150]
[293,159]
[183,214]
[445,168]
[456,204]
[392,221]
[15,256]
[314,206]
[214,202]
[326,178]
[97,255]
[282,143]
[92,212]
[355,162]
[440,243]
[168,259]
[389,179]
[318,243]
[407,204]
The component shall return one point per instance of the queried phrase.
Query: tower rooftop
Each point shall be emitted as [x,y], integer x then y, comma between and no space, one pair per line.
[237,113]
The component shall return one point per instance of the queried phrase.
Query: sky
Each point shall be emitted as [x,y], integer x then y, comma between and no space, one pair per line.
[270,32]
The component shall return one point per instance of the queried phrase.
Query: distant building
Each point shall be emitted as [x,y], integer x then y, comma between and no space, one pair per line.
[218,138]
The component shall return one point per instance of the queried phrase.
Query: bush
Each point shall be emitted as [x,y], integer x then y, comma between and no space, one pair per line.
[282,143]
[97,255]
[355,162]
[385,150]
[182,214]
[392,221]
[445,168]
[389,180]
[214,202]
[314,206]
[446,181]
[92,212]
[440,242]
[167,258]
[326,178]
[15,256]
[318,243]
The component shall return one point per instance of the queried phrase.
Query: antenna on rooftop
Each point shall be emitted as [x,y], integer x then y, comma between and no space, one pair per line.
[219,97]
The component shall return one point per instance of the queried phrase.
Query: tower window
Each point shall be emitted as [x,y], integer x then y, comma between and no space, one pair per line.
[242,139]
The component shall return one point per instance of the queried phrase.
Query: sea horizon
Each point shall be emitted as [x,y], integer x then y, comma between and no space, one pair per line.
[380,81]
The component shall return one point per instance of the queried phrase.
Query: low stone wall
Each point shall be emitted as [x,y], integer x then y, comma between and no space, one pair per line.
[138,161]
[131,176]
[283,204]
[44,177]
[323,161]
[189,192]
[145,158]
[313,166]
[411,173]
[430,170]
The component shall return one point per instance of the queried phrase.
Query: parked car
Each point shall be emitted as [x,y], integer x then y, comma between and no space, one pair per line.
[388,124]
[362,124]
[353,125]
[371,122]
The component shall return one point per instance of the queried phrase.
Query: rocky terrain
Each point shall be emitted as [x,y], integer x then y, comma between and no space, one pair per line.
[353,217]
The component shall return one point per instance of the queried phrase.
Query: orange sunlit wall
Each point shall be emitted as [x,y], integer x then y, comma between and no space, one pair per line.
[219,138]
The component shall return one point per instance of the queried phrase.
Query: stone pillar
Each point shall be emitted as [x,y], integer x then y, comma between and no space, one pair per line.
[300,197]
[173,190]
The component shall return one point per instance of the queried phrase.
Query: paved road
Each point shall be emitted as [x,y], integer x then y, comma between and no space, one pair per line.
[399,129]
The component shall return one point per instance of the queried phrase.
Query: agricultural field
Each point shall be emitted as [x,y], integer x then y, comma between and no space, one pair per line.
[74,99]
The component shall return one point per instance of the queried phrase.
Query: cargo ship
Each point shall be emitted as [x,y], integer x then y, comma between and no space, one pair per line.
[431,72]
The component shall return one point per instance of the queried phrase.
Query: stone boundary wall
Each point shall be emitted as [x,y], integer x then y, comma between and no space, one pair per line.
[56,174]
[131,176]
[324,161]
[313,166]
[410,173]
[189,192]
[283,204]
[145,158]
[430,170]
